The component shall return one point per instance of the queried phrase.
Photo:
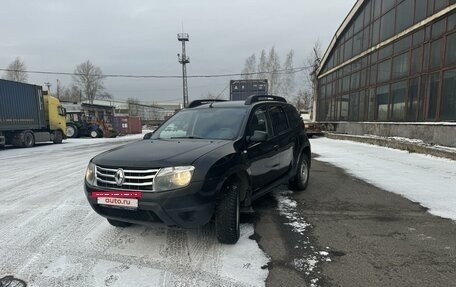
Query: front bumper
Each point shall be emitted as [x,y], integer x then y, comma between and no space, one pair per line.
[187,207]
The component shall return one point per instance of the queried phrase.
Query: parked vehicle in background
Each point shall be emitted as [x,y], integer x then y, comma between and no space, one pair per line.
[312,128]
[210,160]
[28,115]
[240,90]
[80,125]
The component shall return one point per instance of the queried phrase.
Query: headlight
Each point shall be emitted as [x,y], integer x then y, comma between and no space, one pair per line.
[173,177]
[90,174]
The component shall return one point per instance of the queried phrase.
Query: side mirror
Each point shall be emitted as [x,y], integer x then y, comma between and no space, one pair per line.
[259,136]
[148,136]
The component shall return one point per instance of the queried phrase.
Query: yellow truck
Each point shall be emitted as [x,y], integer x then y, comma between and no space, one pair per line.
[28,115]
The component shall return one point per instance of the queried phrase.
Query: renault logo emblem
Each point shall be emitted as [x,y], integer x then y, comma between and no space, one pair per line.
[119,177]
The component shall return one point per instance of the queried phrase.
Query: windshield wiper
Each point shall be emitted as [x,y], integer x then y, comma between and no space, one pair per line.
[187,137]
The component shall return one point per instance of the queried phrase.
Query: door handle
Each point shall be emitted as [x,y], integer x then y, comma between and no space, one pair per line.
[276,147]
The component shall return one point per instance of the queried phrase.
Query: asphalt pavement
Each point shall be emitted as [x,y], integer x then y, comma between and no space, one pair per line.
[371,237]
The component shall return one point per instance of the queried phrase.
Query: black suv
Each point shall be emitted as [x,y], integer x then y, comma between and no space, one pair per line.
[210,160]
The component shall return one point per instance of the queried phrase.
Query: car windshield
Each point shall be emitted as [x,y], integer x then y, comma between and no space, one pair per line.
[210,123]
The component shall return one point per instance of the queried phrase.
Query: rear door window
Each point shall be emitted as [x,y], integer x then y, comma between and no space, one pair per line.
[278,120]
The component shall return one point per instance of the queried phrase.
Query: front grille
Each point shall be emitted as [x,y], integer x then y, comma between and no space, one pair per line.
[134,179]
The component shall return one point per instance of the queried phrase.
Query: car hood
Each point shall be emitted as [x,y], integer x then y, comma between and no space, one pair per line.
[157,153]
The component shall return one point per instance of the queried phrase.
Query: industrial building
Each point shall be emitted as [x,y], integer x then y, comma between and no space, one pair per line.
[390,70]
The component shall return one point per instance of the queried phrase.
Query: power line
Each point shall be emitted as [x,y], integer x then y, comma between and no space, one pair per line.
[283,71]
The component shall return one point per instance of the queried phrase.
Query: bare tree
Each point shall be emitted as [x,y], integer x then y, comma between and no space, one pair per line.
[71,94]
[89,79]
[312,62]
[288,76]
[16,71]
[262,66]
[249,68]
[303,100]
[273,68]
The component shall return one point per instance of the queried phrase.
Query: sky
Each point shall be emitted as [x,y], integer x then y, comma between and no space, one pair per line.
[140,38]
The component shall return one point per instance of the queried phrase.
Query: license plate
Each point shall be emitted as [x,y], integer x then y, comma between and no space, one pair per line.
[121,202]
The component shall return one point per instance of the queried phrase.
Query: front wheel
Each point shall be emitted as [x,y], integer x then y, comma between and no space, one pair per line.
[301,179]
[58,137]
[227,214]
[118,223]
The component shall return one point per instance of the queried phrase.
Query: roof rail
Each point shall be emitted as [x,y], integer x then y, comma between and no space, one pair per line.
[197,103]
[260,98]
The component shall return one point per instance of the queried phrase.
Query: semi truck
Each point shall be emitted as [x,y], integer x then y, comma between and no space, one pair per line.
[29,115]
[240,90]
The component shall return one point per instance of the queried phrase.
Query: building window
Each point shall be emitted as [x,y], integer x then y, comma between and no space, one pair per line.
[439,5]
[362,100]
[384,71]
[373,74]
[450,55]
[402,45]
[415,66]
[382,103]
[354,107]
[451,21]
[438,28]
[375,32]
[344,108]
[398,93]
[400,66]
[387,25]
[412,104]
[449,96]
[435,58]
[418,37]
[387,4]
[354,81]
[371,105]
[420,10]
[404,17]
[434,81]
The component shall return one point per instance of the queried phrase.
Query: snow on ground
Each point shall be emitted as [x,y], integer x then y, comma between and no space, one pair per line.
[428,180]
[51,237]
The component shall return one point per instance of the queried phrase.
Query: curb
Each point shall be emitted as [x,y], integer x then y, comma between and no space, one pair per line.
[396,144]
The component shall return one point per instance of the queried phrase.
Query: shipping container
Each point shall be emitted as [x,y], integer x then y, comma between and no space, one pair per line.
[21,106]
[242,89]
[125,125]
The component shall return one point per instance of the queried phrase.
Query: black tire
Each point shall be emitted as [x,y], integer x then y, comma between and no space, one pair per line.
[58,137]
[301,179]
[72,131]
[29,139]
[227,214]
[118,223]
[100,133]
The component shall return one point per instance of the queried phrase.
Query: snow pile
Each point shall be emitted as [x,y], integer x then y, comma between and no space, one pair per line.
[428,180]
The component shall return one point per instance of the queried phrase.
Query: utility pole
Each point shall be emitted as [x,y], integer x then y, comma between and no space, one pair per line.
[184,60]
[58,89]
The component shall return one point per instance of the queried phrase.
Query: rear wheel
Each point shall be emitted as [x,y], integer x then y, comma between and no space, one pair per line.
[58,137]
[118,223]
[301,179]
[72,131]
[29,139]
[227,214]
